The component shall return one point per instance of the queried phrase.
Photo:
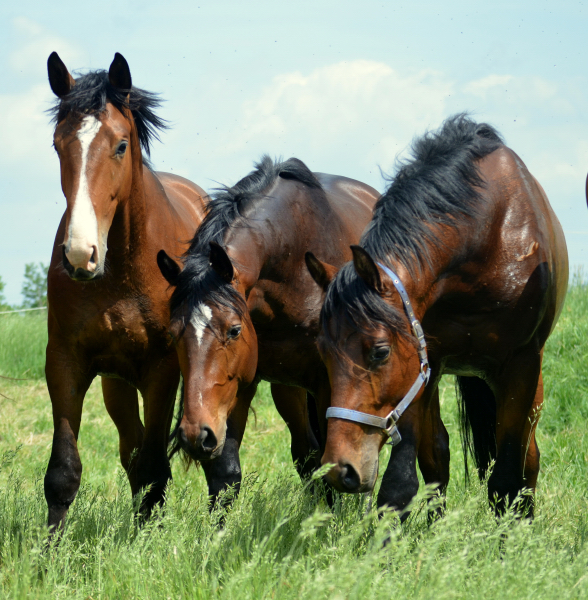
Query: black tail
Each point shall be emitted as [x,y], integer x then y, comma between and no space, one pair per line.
[477,416]
[174,442]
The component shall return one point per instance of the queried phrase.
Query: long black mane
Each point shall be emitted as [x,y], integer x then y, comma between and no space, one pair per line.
[90,94]
[438,185]
[198,282]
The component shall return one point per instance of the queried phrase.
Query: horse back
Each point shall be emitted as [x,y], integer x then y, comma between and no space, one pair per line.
[507,269]
[186,199]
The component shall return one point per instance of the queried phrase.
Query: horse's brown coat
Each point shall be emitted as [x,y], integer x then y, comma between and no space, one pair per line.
[114,321]
[487,302]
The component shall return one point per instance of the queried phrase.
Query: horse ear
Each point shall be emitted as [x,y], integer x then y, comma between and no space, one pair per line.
[366,268]
[169,267]
[119,73]
[323,273]
[60,80]
[220,262]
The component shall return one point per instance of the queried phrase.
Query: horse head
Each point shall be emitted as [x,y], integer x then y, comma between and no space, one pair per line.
[96,140]
[216,345]
[370,354]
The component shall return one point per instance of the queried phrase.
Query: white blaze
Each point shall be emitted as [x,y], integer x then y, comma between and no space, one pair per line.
[83,225]
[200,319]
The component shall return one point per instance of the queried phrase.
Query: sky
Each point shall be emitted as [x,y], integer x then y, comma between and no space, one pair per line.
[344,86]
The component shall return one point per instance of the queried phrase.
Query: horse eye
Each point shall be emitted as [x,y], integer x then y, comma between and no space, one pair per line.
[234,332]
[122,148]
[380,353]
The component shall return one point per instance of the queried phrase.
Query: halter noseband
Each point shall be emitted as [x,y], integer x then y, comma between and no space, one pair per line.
[388,424]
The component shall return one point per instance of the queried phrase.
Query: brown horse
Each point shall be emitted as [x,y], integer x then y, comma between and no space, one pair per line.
[108,304]
[470,233]
[246,309]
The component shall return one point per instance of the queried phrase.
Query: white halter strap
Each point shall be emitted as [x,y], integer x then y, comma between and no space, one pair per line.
[388,424]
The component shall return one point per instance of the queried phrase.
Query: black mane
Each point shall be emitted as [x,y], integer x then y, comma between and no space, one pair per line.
[90,94]
[436,186]
[227,203]
[198,281]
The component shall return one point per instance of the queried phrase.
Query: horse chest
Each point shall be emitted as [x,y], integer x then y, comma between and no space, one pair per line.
[126,327]
[122,339]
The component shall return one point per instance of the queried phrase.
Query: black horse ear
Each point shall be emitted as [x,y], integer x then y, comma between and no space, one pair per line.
[220,262]
[60,80]
[323,273]
[366,268]
[169,267]
[119,73]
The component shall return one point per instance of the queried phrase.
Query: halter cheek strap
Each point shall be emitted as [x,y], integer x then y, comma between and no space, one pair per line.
[388,424]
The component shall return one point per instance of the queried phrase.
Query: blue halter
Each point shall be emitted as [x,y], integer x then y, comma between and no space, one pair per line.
[388,424]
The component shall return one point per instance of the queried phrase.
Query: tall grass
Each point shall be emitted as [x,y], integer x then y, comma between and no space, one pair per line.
[23,338]
[280,540]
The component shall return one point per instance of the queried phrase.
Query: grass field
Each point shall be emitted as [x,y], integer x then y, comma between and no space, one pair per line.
[280,541]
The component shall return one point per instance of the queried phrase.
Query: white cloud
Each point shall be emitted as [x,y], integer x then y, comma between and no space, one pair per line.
[361,108]
[481,87]
[30,57]
[518,88]
[25,129]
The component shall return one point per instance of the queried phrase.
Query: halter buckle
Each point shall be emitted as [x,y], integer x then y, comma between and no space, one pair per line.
[417,329]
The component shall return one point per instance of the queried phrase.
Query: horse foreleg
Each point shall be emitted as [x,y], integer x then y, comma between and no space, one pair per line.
[67,388]
[122,403]
[291,404]
[152,467]
[224,471]
[433,452]
[519,395]
[400,482]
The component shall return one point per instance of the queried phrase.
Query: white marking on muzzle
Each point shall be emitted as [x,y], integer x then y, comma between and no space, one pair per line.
[200,319]
[83,225]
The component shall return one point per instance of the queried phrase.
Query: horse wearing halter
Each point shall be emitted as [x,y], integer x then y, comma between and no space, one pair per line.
[388,424]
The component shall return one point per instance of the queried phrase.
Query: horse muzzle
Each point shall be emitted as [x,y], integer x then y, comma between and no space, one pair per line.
[346,478]
[85,270]
[200,443]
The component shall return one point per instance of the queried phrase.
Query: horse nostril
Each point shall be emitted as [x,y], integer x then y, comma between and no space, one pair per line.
[93,257]
[183,438]
[207,440]
[349,478]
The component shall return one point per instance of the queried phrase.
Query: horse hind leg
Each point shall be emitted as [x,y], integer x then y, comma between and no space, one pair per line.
[152,469]
[519,402]
[122,403]
[291,404]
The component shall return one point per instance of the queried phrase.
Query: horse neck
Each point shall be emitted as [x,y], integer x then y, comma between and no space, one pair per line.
[427,281]
[267,239]
[128,232]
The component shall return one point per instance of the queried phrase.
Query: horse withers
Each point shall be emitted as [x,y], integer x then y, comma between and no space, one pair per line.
[108,304]
[245,308]
[465,242]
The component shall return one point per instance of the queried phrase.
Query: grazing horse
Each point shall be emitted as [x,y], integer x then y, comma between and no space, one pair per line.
[244,308]
[464,240]
[108,304]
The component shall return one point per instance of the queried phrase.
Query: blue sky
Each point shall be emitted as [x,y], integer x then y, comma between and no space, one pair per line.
[341,86]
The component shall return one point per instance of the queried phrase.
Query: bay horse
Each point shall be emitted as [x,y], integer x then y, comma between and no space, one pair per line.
[108,304]
[463,240]
[244,308]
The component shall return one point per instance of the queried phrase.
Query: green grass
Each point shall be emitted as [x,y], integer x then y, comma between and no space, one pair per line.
[23,338]
[280,541]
